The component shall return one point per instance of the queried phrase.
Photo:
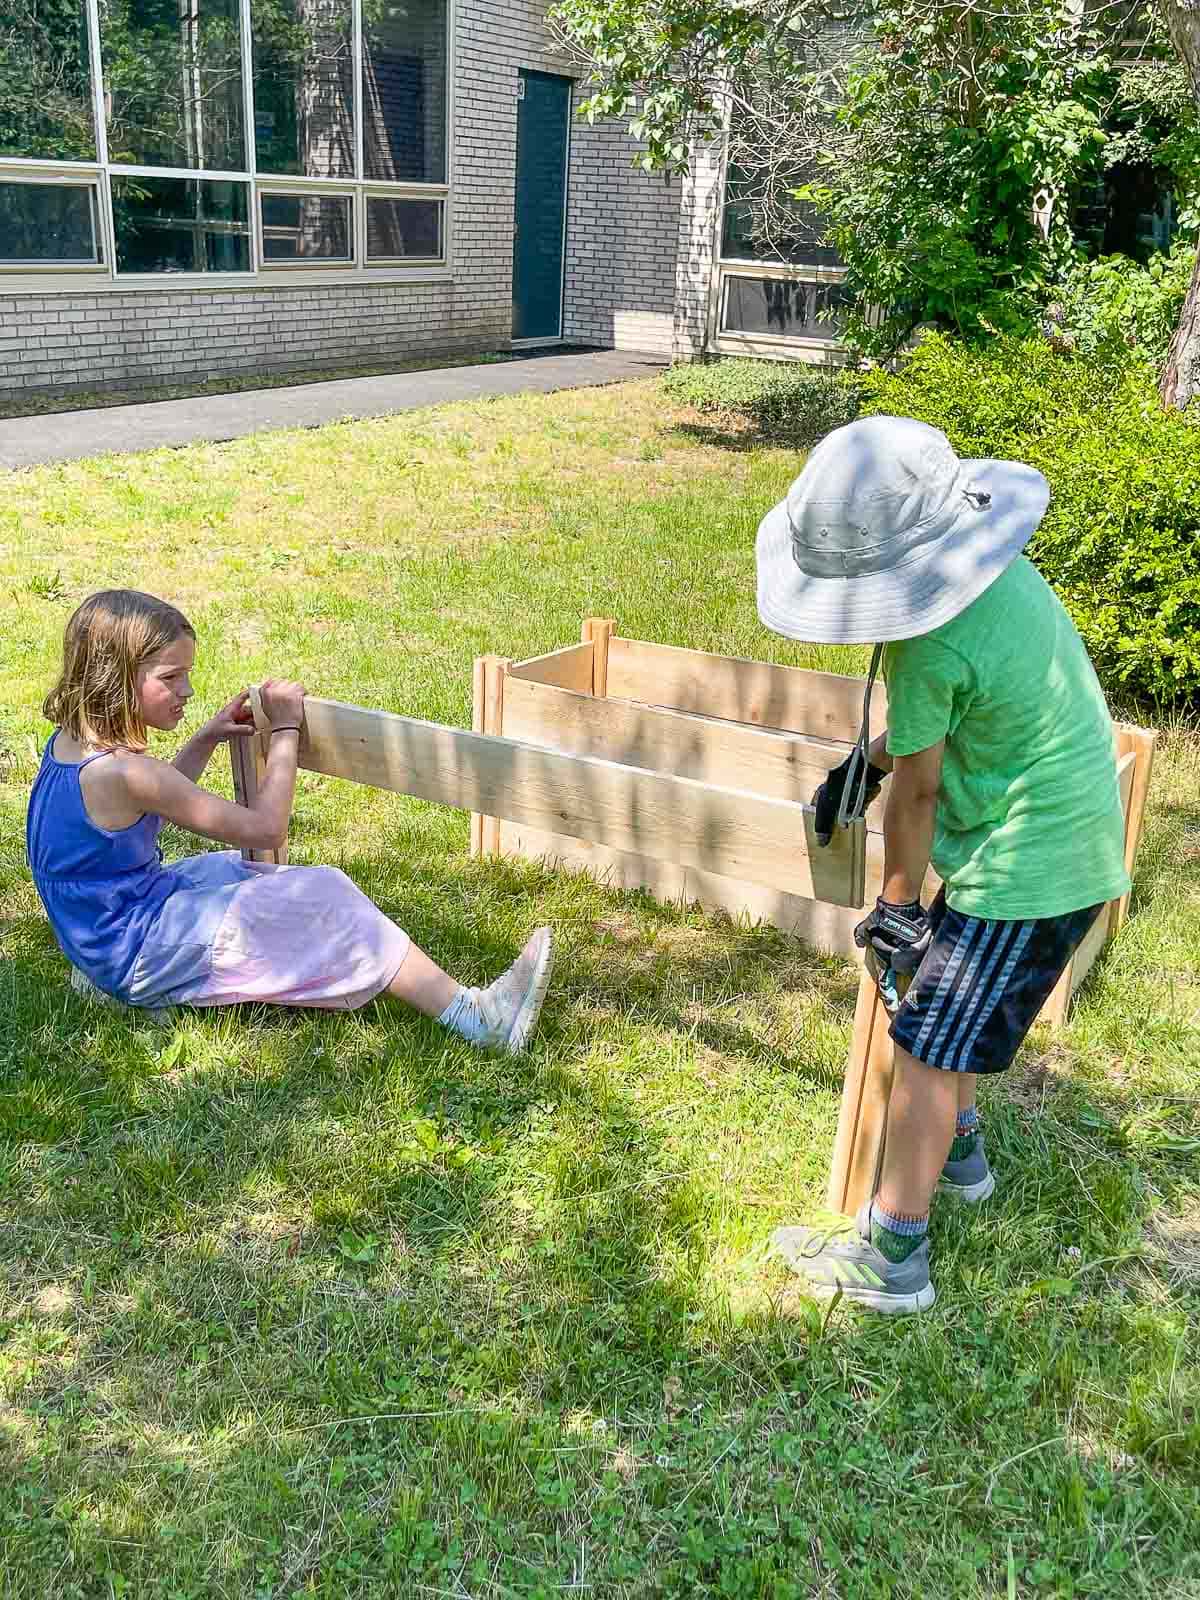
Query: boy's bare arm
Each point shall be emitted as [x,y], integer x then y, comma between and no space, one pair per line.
[877,753]
[908,821]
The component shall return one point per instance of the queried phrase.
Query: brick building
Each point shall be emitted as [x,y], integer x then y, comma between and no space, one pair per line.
[191,188]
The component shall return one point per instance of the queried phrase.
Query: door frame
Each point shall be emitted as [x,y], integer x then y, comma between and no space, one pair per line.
[559,337]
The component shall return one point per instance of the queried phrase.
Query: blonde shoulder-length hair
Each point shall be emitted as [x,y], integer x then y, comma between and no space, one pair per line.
[108,638]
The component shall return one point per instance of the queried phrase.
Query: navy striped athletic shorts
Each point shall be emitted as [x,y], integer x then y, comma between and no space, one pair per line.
[981,985]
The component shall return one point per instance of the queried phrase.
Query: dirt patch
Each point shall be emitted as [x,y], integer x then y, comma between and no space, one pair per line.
[1030,1084]
[1173,1244]
[53,1300]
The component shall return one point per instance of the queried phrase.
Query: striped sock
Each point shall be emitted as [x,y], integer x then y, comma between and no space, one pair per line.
[966,1134]
[896,1237]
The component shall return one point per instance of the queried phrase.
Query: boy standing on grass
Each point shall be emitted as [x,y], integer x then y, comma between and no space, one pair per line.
[1002,758]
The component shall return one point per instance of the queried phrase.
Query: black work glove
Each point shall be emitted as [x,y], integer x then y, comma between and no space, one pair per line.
[895,939]
[829,796]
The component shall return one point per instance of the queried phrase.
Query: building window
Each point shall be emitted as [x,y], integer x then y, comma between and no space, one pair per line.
[49,225]
[404,91]
[305,228]
[304,87]
[232,135]
[46,105]
[181,225]
[788,231]
[173,83]
[403,230]
[779,308]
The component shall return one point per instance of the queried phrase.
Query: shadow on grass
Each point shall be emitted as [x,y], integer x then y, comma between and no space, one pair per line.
[305,1243]
[742,440]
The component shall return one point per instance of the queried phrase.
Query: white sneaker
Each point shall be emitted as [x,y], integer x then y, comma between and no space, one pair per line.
[510,1007]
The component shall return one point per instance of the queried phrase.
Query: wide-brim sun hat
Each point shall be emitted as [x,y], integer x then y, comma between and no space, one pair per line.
[887,534]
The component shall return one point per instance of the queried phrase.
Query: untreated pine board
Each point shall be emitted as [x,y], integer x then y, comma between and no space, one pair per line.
[598,632]
[826,927]
[656,814]
[823,704]
[494,682]
[866,1096]
[1102,930]
[248,760]
[786,766]
[1140,743]
[568,668]
[478,693]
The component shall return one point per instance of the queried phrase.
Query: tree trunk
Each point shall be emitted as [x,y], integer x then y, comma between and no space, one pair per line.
[1181,376]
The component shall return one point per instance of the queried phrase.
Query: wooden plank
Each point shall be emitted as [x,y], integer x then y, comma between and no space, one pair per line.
[866,1093]
[1101,931]
[1054,1012]
[568,668]
[248,758]
[478,690]
[823,704]
[743,835]
[785,765]
[598,631]
[495,674]
[1139,742]
[826,927]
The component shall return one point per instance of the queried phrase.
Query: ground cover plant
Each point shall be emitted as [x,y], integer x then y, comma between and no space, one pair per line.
[299,1305]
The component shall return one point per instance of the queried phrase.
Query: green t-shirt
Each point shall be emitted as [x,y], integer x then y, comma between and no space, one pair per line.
[1029,820]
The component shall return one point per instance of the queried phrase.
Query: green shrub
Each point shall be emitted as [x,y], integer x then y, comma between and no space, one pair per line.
[1115,305]
[781,399]
[1121,541]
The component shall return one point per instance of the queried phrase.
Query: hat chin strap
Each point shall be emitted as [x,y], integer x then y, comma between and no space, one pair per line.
[856,780]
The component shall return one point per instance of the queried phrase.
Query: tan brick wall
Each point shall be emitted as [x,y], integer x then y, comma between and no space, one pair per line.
[623,238]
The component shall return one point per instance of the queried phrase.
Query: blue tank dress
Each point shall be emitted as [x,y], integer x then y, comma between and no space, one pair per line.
[210,929]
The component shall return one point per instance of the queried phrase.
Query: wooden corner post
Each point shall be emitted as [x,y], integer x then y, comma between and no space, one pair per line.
[487,716]
[248,759]
[1139,743]
[866,1094]
[597,631]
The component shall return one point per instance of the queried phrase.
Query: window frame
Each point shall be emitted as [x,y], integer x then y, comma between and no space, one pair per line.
[43,278]
[729,342]
[52,174]
[375,191]
[331,190]
[778,347]
[140,279]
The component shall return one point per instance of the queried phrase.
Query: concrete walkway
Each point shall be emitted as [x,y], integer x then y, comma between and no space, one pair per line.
[69,435]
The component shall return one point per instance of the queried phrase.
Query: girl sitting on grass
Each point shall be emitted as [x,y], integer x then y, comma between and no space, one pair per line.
[212,929]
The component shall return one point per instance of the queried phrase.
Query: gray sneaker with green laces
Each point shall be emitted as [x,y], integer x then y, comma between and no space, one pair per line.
[841,1256]
[969,1179]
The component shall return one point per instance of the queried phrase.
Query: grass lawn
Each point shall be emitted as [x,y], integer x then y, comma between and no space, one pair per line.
[325,1305]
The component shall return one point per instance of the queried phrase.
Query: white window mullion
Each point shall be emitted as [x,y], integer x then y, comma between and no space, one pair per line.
[359,76]
[93,27]
[248,119]
[105,220]
[360,203]
[248,88]
[451,93]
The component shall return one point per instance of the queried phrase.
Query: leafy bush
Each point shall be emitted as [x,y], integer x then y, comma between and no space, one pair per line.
[1115,305]
[1121,541]
[784,399]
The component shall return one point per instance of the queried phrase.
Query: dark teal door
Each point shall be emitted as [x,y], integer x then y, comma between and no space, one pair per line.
[543,117]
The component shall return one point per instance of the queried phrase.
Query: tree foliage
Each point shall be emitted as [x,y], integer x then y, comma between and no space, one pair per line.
[946,153]
[968,132]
